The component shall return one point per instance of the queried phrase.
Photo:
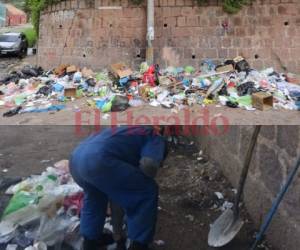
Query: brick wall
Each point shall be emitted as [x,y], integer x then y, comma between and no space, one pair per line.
[84,32]
[274,157]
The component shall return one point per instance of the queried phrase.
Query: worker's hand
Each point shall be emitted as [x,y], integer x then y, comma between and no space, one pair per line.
[149,167]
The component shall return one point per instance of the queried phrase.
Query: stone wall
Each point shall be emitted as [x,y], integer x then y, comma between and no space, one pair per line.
[99,32]
[274,157]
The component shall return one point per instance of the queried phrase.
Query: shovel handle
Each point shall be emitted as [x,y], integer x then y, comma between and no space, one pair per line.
[244,173]
[275,205]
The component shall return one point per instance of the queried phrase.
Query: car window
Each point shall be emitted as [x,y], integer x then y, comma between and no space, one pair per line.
[8,38]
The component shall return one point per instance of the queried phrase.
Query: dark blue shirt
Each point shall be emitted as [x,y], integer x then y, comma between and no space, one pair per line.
[127,143]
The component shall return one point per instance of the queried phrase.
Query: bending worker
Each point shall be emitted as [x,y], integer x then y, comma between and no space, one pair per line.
[119,164]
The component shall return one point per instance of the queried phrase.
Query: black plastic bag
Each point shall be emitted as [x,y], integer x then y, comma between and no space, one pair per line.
[12,112]
[119,103]
[242,65]
[29,72]
[246,88]
[232,104]
[91,82]
[223,91]
[45,90]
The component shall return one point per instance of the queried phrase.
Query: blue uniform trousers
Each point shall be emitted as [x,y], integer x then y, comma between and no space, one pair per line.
[106,178]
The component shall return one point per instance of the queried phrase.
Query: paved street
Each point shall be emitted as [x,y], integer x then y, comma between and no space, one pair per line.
[15,28]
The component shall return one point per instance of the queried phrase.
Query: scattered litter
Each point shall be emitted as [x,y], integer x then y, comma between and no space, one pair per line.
[12,247]
[154,103]
[233,84]
[219,195]
[190,217]
[37,246]
[44,206]
[5,170]
[174,111]
[159,243]
[226,205]
[105,116]
[45,161]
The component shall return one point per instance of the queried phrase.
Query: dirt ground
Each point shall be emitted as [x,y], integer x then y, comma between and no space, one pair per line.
[8,63]
[77,113]
[188,203]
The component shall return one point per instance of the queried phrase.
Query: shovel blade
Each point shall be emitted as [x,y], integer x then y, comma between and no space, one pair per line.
[224,229]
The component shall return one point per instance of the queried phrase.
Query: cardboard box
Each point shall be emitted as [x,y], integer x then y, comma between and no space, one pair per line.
[86,73]
[120,70]
[60,70]
[71,69]
[238,59]
[293,78]
[70,92]
[262,101]
[225,68]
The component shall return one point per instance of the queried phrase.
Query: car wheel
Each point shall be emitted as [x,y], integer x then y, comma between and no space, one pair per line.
[25,51]
[21,54]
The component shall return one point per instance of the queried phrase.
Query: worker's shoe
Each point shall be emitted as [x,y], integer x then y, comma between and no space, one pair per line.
[105,240]
[121,244]
[138,246]
[90,244]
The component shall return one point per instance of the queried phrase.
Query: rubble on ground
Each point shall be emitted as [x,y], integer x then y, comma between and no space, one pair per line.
[233,84]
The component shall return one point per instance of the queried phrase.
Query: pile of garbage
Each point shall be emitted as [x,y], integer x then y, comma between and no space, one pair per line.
[43,211]
[233,84]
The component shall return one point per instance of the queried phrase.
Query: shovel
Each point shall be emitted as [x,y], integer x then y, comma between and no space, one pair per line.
[227,226]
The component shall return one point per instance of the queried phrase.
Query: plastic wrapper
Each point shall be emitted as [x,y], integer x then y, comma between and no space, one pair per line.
[52,230]
[20,200]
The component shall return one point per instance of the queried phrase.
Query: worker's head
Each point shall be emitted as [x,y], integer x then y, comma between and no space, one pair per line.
[167,130]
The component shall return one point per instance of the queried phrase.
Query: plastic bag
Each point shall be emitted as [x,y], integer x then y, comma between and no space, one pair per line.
[36,183]
[62,166]
[144,67]
[77,77]
[37,246]
[245,101]
[136,102]
[12,112]
[20,200]
[189,69]
[119,103]
[73,203]
[73,237]
[52,230]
